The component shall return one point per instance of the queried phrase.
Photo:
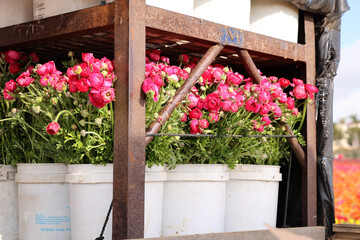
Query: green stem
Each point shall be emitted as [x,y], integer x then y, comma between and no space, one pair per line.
[303,117]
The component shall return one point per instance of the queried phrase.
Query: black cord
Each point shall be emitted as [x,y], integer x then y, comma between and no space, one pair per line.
[101,237]
[287,193]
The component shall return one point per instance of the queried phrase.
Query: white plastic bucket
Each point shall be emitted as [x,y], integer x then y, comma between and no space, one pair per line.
[275,18]
[194,199]
[154,186]
[15,12]
[251,197]
[180,6]
[90,188]
[9,228]
[233,13]
[43,198]
[48,8]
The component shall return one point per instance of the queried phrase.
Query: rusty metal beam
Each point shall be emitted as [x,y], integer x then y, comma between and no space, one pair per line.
[95,19]
[166,112]
[309,176]
[252,70]
[129,129]
[176,24]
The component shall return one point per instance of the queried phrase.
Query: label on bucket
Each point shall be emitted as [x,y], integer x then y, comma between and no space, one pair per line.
[53,223]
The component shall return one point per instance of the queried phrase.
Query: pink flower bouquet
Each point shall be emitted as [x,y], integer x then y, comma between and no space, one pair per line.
[222,102]
[63,117]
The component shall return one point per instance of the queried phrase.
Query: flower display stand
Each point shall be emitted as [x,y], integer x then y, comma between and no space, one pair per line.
[122,30]
[43,198]
[9,228]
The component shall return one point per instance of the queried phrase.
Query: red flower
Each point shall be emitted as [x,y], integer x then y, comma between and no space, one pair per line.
[13,55]
[298,82]
[284,82]
[194,127]
[300,92]
[10,85]
[195,114]
[24,79]
[203,123]
[183,58]
[153,54]
[53,128]
[212,102]
[34,57]
[14,68]
[7,95]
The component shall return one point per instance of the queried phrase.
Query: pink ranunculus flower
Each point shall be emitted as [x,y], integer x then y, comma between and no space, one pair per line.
[30,68]
[265,84]
[95,65]
[264,96]
[183,117]
[158,80]
[60,85]
[195,114]
[109,66]
[87,57]
[203,123]
[11,85]
[53,128]
[149,87]
[207,76]
[217,74]
[259,127]
[295,112]
[299,92]
[276,109]
[83,85]
[96,99]
[264,109]
[250,105]
[311,89]
[290,103]
[213,117]
[14,55]
[284,82]
[224,95]
[212,102]
[266,120]
[165,59]
[184,58]
[297,82]
[194,126]
[226,105]
[273,79]
[234,78]
[96,80]
[107,94]
[193,100]
[153,54]
[7,95]
[14,68]
[200,104]
[24,79]
[234,107]
[85,70]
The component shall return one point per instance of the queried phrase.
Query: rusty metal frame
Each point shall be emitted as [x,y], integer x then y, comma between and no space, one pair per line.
[130,21]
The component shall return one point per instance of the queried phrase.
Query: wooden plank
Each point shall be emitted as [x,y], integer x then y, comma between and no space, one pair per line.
[346,228]
[129,130]
[95,19]
[177,25]
[347,236]
[316,233]
[309,177]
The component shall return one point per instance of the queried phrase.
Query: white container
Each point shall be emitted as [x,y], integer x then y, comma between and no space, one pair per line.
[48,8]
[9,228]
[233,13]
[275,18]
[180,6]
[194,199]
[90,188]
[154,186]
[15,12]
[251,197]
[43,198]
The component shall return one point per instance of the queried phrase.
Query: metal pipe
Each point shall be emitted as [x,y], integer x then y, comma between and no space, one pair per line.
[166,112]
[252,70]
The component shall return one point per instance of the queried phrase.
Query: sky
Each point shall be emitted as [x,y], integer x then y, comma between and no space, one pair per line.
[346,83]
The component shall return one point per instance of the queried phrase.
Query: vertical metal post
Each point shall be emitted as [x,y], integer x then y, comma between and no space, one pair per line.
[309,186]
[129,129]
